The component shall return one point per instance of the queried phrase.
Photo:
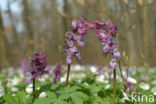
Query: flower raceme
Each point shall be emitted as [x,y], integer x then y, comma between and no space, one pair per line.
[106,32]
[36,68]
[57,72]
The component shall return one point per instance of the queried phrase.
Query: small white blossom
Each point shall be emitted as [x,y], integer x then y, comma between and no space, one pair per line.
[154,90]
[42,94]
[131,80]
[100,78]
[107,86]
[144,86]
[93,69]
[1,90]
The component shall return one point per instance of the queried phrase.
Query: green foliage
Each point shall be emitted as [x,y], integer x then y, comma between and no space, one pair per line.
[84,91]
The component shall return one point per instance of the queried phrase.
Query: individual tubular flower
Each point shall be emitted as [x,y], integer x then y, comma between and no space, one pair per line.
[75,24]
[57,73]
[36,68]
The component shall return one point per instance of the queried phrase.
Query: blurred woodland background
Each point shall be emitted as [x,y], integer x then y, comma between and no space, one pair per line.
[40,25]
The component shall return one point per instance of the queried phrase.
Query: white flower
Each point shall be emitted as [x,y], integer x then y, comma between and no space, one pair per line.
[154,90]
[77,67]
[38,88]
[30,85]
[63,79]
[14,89]
[131,80]
[100,78]
[1,90]
[107,86]
[144,86]
[29,88]
[42,94]
[13,82]
[93,69]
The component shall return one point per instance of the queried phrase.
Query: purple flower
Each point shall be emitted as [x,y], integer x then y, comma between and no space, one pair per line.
[106,49]
[116,55]
[83,27]
[57,73]
[113,65]
[75,24]
[36,68]
[69,60]
[111,26]
[100,33]
[98,24]
[112,46]
[72,36]
[70,43]
[80,43]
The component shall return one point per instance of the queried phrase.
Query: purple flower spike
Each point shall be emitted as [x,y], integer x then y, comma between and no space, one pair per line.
[36,67]
[106,32]
[57,73]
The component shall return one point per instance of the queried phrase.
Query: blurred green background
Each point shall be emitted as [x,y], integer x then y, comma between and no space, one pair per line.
[40,25]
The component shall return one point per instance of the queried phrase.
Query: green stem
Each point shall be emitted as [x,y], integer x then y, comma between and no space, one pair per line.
[120,68]
[67,78]
[114,87]
[34,89]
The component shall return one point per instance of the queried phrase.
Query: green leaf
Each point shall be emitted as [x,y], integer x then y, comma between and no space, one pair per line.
[10,99]
[44,100]
[21,96]
[76,99]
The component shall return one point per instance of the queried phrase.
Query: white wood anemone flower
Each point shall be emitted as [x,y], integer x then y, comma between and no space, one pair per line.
[153,91]
[144,86]
[131,80]
[42,94]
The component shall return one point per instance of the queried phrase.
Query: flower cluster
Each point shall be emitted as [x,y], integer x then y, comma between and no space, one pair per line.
[57,73]
[36,68]
[108,37]
[107,33]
